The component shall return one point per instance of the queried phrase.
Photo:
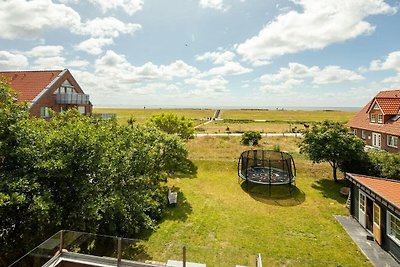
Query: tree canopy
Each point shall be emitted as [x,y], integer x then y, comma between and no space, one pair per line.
[78,173]
[331,142]
[173,124]
[251,137]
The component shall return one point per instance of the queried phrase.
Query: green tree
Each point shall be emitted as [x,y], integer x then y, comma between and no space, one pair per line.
[173,124]
[79,173]
[385,164]
[331,142]
[251,137]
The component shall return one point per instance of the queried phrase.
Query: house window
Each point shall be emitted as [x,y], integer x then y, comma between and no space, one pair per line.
[372,118]
[392,141]
[355,132]
[376,107]
[44,112]
[380,118]
[393,227]
[82,109]
[376,140]
[363,135]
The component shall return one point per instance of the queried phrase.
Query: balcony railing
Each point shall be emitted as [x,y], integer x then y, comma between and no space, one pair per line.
[72,99]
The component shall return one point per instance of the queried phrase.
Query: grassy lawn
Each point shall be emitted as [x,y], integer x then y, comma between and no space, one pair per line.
[287,115]
[222,224]
[142,115]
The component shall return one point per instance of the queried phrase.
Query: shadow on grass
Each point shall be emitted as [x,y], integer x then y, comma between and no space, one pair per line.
[187,170]
[280,194]
[330,189]
[180,211]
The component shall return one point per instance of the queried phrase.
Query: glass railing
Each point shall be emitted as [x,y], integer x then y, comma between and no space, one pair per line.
[95,250]
[72,98]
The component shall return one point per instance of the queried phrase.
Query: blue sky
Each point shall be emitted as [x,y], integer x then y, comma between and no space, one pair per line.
[210,53]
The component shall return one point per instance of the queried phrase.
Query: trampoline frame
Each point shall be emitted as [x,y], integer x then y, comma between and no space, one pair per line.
[269,160]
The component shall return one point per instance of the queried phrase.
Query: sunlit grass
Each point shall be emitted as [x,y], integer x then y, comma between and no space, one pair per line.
[141,115]
[223,224]
[288,115]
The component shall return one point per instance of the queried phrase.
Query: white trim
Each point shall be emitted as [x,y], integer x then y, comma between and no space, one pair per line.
[44,91]
[388,227]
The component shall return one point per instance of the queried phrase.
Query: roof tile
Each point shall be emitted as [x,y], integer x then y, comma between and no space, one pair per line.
[28,84]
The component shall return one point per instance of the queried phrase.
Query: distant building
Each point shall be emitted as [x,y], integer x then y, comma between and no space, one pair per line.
[375,204]
[48,89]
[378,123]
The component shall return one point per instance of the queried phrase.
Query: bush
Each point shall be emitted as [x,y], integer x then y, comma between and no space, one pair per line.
[385,164]
[251,137]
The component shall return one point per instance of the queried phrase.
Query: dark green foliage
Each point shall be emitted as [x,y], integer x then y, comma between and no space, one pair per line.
[332,142]
[173,124]
[251,137]
[79,173]
[386,165]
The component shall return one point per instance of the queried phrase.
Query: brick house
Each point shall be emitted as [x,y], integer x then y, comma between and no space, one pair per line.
[378,123]
[48,89]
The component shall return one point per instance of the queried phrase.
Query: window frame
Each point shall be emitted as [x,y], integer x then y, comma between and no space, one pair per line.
[45,112]
[363,135]
[372,118]
[389,138]
[380,140]
[380,118]
[394,238]
[355,131]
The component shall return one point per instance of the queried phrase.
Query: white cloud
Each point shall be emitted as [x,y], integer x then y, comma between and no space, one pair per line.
[392,61]
[9,61]
[295,74]
[78,63]
[320,24]
[214,4]
[94,46]
[106,27]
[45,51]
[209,88]
[49,63]
[394,81]
[229,68]
[29,19]
[218,57]
[129,6]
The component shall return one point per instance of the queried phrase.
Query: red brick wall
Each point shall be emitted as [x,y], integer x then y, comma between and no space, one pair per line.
[384,146]
[49,99]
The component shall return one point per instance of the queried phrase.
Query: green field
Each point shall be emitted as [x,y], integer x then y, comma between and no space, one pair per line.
[287,115]
[142,115]
[238,120]
[222,224]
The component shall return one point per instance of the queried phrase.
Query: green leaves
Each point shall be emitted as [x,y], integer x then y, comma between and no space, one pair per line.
[332,142]
[80,173]
[251,137]
[173,124]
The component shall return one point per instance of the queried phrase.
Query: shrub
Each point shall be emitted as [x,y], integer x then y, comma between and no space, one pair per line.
[251,137]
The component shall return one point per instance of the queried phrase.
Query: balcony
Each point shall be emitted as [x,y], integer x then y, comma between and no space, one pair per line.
[72,99]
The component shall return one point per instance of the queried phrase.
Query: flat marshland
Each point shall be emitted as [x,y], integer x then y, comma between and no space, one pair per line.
[268,121]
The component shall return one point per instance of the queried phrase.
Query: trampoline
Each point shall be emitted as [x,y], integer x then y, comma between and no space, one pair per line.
[267,167]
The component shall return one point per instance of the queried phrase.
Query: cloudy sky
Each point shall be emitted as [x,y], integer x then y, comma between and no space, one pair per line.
[209,53]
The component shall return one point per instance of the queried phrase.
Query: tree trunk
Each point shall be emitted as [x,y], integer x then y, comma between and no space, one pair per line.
[334,168]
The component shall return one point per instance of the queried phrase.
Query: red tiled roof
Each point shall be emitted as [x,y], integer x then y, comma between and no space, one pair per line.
[386,189]
[389,101]
[29,84]
[389,106]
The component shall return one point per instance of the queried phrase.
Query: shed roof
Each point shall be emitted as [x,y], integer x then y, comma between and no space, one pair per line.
[386,189]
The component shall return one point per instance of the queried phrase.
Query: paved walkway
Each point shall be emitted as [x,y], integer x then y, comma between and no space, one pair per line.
[378,256]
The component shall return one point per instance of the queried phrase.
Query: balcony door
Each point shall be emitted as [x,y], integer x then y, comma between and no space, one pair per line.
[376,140]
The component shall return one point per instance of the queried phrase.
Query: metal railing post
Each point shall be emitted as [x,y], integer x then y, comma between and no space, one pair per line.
[184,256]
